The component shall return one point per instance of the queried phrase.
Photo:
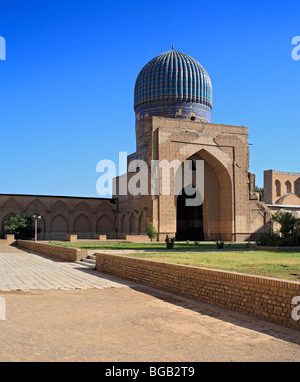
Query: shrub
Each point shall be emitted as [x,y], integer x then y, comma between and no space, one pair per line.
[287,222]
[220,245]
[274,239]
[19,225]
[268,239]
[151,231]
[170,242]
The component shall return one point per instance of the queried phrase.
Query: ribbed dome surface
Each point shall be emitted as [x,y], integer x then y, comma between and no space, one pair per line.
[173,76]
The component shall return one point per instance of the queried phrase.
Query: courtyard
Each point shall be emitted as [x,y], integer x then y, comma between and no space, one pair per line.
[57,311]
[236,257]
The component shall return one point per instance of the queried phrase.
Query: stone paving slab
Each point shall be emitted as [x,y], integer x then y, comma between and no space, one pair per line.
[21,270]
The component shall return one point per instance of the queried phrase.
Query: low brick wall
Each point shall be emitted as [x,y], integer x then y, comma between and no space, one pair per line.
[9,240]
[101,237]
[262,298]
[71,238]
[135,238]
[54,251]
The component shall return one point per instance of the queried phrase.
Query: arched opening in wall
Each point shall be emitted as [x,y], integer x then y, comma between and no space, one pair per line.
[59,227]
[36,207]
[277,187]
[82,206]
[143,223]
[134,224]
[189,219]
[214,220]
[116,227]
[104,225]
[297,187]
[125,224]
[4,219]
[82,227]
[12,205]
[288,187]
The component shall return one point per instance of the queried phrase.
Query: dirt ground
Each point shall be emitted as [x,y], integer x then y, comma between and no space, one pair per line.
[133,324]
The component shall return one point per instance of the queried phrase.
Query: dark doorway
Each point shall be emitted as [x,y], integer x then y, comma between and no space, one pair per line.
[189,220]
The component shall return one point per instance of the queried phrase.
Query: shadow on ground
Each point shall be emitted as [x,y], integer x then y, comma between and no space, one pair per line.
[219,313]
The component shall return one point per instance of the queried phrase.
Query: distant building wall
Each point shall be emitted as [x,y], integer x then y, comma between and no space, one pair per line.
[282,188]
[62,215]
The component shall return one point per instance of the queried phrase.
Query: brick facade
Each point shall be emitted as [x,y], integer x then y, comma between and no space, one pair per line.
[62,216]
[282,188]
[231,209]
[262,298]
[53,251]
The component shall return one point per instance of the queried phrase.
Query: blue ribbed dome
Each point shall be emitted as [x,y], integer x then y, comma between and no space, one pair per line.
[173,77]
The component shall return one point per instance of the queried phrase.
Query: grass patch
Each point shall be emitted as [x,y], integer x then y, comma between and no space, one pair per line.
[282,265]
[144,246]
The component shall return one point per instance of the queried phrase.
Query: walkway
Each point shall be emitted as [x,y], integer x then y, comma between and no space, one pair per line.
[119,321]
[20,270]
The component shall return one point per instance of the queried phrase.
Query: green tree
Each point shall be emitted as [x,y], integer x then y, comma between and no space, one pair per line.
[151,231]
[19,225]
[287,222]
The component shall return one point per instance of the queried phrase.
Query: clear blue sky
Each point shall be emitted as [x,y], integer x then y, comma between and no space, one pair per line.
[67,84]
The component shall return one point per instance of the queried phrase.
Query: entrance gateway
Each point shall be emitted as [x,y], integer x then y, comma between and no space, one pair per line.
[173,104]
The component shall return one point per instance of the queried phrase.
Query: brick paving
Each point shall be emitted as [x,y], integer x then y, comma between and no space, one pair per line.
[20,270]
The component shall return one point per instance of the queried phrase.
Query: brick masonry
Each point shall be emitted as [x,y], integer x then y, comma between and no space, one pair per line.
[53,251]
[231,209]
[62,215]
[9,240]
[282,188]
[261,298]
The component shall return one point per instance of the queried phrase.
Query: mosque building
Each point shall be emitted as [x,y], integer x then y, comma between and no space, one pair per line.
[173,101]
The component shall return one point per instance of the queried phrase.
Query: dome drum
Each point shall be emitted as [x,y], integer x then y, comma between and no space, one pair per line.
[175,109]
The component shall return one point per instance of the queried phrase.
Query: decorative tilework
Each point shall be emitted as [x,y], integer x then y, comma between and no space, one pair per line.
[173,76]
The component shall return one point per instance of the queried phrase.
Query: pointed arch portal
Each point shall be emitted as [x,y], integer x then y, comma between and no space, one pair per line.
[214,219]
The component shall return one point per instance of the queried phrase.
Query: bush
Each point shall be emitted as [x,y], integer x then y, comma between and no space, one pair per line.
[220,245]
[20,226]
[170,242]
[273,239]
[287,222]
[268,239]
[151,231]
[293,240]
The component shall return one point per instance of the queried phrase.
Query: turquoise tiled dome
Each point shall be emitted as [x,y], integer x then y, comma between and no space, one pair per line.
[173,77]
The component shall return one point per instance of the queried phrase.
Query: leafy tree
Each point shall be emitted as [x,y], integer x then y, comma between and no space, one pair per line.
[151,231]
[287,222]
[19,225]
